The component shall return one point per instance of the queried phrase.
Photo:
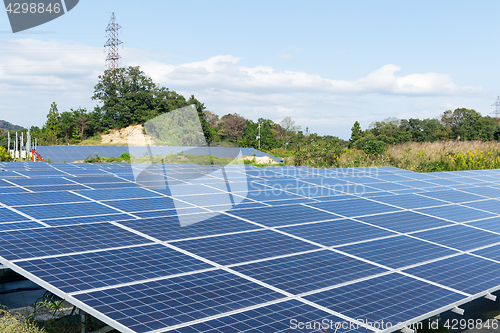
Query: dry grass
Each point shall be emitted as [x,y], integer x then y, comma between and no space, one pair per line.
[428,156]
[16,323]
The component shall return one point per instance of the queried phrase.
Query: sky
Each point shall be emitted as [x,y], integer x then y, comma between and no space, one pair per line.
[326,64]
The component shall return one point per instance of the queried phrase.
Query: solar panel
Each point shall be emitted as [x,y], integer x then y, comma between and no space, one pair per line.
[288,245]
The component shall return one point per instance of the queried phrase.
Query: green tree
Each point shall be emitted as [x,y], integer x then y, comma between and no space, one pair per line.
[66,124]
[356,133]
[52,130]
[130,97]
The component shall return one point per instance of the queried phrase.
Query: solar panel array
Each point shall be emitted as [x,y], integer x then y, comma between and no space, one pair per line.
[303,245]
[70,154]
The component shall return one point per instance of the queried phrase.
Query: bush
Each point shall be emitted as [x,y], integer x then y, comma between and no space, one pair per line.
[4,155]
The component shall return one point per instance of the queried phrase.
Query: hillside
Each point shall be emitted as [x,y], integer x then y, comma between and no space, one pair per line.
[9,126]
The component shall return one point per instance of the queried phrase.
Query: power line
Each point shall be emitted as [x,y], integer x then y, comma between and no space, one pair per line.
[112,60]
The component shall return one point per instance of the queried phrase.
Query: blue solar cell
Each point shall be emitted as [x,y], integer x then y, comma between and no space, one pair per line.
[64,240]
[150,306]
[205,224]
[88,219]
[406,221]
[97,180]
[392,298]
[459,237]
[110,185]
[19,225]
[492,205]
[41,181]
[169,212]
[112,194]
[354,207]
[284,317]
[337,232]
[40,198]
[492,224]
[490,192]
[453,196]
[397,252]
[456,213]
[52,188]
[389,186]
[408,201]
[106,268]
[492,252]
[271,194]
[6,215]
[244,247]
[307,272]
[456,272]
[138,205]
[66,210]
[13,189]
[276,216]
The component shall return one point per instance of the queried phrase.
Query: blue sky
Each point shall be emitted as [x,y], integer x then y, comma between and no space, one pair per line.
[324,63]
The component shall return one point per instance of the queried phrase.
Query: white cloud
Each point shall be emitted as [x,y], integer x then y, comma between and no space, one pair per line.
[34,73]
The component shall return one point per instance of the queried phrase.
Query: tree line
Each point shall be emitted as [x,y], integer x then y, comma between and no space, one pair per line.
[127,97]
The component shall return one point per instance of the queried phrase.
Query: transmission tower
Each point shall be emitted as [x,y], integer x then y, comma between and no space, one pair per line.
[496,113]
[112,44]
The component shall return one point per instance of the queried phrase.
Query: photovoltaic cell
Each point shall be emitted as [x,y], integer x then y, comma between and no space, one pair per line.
[404,221]
[492,224]
[492,205]
[153,305]
[408,201]
[6,215]
[392,298]
[307,272]
[106,268]
[278,216]
[460,237]
[168,228]
[456,213]
[337,232]
[32,243]
[453,196]
[354,207]
[455,273]
[40,198]
[66,210]
[239,248]
[397,252]
[284,317]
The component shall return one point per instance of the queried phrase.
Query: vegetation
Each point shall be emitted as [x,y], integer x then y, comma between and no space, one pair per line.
[164,159]
[4,155]
[9,126]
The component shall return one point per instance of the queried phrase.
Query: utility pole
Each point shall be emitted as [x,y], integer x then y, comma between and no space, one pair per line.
[496,113]
[258,138]
[112,60]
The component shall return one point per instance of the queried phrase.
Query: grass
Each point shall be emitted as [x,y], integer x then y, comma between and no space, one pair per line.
[424,157]
[17,323]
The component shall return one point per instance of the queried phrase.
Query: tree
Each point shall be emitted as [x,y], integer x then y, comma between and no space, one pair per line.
[52,124]
[356,133]
[66,124]
[288,129]
[233,127]
[211,118]
[130,97]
